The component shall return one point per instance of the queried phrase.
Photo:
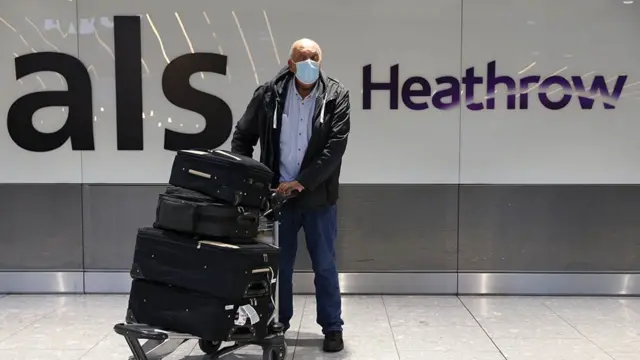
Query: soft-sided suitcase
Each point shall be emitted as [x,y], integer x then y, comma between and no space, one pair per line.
[175,309]
[228,271]
[236,179]
[191,212]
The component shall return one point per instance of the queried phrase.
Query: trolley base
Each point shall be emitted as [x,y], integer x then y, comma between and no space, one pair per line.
[160,343]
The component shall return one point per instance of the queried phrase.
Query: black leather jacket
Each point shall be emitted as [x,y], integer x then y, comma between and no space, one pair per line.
[320,169]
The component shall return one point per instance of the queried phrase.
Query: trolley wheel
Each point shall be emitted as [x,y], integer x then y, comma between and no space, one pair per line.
[275,352]
[209,347]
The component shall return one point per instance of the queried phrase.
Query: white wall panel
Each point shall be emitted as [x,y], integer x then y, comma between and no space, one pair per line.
[403,145]
[584,38]
[26,27]
[386,146]
[572,38]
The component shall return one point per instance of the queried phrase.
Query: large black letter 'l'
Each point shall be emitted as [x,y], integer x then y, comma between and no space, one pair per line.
[128,54]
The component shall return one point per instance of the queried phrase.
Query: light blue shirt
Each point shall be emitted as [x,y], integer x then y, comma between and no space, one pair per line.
[295,132]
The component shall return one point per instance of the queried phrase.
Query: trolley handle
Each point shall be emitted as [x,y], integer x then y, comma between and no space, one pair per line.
[277,200]
[282,198]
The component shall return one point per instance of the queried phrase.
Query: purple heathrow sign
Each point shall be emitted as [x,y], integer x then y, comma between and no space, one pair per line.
[416,90]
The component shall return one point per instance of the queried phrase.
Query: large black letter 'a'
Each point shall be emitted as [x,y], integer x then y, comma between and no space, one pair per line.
[78,127]
[178,90]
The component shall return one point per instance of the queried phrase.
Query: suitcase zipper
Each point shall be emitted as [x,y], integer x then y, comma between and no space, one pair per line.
[156,234]
[227,154]
[200,203]
[257,171]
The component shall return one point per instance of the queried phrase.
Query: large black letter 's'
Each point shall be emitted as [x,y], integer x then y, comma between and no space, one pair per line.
[78,127]
[216,112]
[128,53]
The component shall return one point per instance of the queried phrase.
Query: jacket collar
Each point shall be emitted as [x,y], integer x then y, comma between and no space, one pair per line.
[279,87]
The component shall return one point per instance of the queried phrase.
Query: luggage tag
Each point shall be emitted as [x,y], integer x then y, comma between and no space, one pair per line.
[247,311]
[241,319]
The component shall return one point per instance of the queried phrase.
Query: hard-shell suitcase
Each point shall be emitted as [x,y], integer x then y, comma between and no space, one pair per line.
[236,179]
[213,319]
[191,212]
[228,271]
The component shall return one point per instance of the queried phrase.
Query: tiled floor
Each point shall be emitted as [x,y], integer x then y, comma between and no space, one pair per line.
[40,327]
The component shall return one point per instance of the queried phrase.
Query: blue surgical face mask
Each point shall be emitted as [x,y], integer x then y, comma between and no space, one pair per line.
[307,71]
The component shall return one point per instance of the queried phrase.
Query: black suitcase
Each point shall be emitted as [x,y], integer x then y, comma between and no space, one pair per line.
[191,212]
[179,310]
[223,270]
[236,179]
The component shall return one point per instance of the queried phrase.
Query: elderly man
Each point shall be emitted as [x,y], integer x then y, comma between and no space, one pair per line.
[302,119]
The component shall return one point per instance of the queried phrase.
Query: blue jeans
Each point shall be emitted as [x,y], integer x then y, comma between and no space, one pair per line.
[320,229]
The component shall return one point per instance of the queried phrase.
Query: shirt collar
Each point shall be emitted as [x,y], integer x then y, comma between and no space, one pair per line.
[312,95]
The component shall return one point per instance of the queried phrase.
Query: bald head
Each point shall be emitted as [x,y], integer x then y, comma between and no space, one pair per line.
[305,49]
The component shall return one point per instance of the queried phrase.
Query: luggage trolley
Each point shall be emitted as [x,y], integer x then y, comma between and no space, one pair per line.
[160,343]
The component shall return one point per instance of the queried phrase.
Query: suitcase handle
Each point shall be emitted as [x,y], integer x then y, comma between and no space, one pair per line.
[278,199]
[248,219]
[276,196]
[257,289]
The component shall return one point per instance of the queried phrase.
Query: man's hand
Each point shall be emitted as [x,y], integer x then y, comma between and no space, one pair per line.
[286,188]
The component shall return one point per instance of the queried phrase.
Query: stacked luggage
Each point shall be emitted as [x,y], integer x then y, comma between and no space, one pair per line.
[199,269]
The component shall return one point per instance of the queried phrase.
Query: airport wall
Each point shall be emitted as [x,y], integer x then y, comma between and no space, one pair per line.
[493,147]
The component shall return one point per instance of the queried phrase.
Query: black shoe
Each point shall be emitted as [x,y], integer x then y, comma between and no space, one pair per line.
[333,342]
